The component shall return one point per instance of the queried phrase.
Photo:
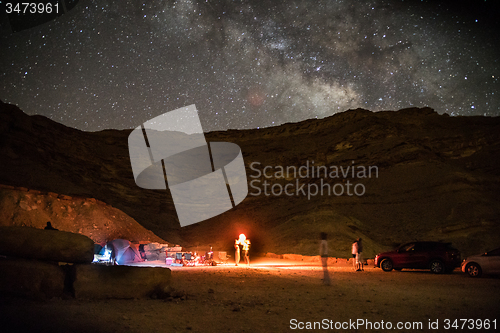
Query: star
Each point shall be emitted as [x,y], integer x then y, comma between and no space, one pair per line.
[251,64]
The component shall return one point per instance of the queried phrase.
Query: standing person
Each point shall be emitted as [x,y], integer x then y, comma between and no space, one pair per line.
[246,248]
[359,257]
[245,243]
[323,252]
[354,254]
[236,252]
[49,226]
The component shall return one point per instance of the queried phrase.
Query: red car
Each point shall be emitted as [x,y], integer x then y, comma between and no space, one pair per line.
[436,256]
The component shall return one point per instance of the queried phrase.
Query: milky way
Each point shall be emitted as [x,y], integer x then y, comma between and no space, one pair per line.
[252,64]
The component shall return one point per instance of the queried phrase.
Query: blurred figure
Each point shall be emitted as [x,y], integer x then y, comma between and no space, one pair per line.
[323,252]
[245,243]
[209,255]
[359,257]
[236,252]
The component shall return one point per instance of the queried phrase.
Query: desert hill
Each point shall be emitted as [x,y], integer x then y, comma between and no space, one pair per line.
[432,177]
[87,216]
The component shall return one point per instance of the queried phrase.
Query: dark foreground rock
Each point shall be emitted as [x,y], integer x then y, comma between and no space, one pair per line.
[101,282]
[30,266]
[31,278]
[49,245]
[39,280]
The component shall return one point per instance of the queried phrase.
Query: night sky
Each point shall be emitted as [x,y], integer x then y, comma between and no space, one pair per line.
[250,64]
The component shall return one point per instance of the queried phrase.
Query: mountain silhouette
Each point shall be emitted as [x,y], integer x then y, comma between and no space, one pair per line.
[433,177]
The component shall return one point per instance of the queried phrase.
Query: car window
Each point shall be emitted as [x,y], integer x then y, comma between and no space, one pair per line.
[494,252]
[429,246]
[421,247]
[409,247]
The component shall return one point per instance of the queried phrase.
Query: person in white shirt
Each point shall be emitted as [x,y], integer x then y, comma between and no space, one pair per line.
[354,254]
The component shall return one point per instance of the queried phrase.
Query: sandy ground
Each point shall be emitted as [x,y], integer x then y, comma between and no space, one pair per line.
[275,296]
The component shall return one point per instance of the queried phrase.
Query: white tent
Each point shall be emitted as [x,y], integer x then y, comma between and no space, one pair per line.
[123,251]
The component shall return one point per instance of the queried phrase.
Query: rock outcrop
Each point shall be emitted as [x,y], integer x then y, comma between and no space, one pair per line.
[87,216]
[101,282]
[43,264]
[33,279]
[47,245]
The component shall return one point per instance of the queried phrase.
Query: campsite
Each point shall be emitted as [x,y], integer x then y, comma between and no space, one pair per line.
[265,297]
[139,142]
[123,291]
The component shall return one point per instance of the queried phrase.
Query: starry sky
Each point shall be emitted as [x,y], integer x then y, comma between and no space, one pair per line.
[253,63]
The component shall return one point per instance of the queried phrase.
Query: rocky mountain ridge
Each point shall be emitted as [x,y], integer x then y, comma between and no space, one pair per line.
[437,178]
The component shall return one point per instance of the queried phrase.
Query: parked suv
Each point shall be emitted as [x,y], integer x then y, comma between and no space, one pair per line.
[436,256]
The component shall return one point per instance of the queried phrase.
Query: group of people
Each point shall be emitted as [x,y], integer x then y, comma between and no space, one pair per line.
[245,244]
[357,249]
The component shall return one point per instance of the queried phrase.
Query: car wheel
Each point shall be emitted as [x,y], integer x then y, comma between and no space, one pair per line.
[386,265]
[473,269]
[437,267]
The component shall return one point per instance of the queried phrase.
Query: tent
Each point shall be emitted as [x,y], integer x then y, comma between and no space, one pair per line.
[123,252]
[98,249]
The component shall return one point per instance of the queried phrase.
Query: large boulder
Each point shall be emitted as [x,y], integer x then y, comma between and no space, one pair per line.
[50,245]
[31,278]
[101,282]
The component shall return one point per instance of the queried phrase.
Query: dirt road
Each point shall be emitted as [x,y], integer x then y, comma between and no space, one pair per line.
[277,296]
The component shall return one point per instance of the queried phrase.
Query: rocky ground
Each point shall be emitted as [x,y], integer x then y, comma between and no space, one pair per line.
[268,296]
